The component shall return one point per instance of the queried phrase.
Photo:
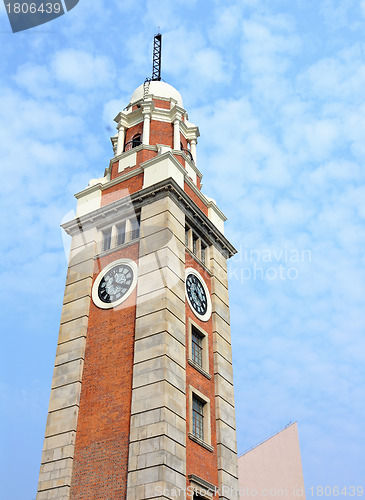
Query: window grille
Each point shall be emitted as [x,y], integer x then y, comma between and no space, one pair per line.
[203,252]
[195,244]
[107,239]
[198,418]
[135,228]
[197,346]
[121,234]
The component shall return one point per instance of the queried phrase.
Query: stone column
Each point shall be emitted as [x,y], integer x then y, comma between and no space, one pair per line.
[157,451]
[223,375]
[59,444]
[120,144]
[177,134]
[193,149]
[146,129]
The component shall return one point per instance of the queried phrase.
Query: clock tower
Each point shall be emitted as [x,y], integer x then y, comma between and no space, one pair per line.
[142,403]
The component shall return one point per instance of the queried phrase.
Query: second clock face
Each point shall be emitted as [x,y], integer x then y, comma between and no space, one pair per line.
[115,283]
[197,294]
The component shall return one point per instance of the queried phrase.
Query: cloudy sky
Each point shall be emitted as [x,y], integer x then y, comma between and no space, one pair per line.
[277,90]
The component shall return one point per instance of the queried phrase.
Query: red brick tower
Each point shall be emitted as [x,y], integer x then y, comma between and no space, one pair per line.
[142,403]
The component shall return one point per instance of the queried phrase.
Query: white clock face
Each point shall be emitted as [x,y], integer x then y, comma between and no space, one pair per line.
[197,293]
[115,283]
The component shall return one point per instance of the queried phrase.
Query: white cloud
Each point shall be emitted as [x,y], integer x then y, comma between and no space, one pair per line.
[160,15]
[197,66]
[36,79]
[341,76]
[83,70]
[340,14]
[226,25]
[268,44]
[49,120]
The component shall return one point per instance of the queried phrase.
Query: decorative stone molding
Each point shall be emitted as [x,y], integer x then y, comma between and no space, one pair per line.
[168,187]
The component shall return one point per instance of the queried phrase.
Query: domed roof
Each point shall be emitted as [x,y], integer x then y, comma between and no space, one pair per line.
[158,89]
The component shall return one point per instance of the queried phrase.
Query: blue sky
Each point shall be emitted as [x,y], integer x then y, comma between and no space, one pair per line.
[277,90]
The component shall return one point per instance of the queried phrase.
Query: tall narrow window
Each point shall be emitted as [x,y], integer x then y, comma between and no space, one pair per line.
[203,253]
[196,346]
[195,244]
[187,236]
[198,418]
[107,239]
[135,228]
[121,234]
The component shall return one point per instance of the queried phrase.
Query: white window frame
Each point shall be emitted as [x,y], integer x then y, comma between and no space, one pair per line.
[204,369]
[193,235]
[118,227]
[114,233]
[206,442]
[104,232]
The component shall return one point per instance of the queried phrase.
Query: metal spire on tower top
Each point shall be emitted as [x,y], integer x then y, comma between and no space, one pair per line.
[156,68]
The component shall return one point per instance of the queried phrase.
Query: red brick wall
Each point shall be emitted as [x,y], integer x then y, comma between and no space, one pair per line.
[114,170]
[180,159]
[161,133]
[122,189]
[199,460]
[195,198]
[183,141]
[101,450]
[159,103]
[144,155]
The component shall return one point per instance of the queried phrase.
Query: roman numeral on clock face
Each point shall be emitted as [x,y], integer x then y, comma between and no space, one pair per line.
[115,283]
[196,294]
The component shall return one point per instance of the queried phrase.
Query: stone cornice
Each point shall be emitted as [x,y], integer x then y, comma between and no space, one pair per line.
[129,119]
[202,482]
[130,152]
[204,199]
[199,368]
[168,187]
[134,117]
[109,184]
[155,148]
[187,159]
